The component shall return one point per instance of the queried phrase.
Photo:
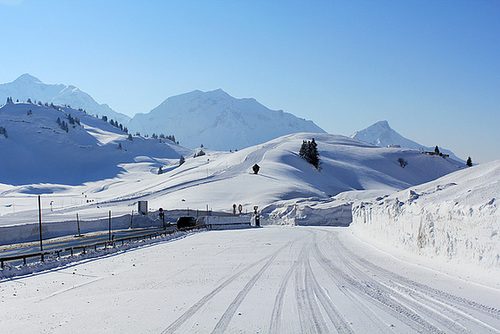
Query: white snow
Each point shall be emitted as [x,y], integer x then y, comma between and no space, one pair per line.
[218,121]
[454,218]
[267,280]
[381,134]
[28,87]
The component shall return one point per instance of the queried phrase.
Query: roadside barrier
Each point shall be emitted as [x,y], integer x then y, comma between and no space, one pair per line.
[94,246]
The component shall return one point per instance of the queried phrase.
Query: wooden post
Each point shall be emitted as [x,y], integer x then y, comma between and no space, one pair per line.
[40,224]
[78,224]
[109,223]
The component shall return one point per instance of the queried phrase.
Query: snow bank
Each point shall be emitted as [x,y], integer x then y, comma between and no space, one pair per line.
[456,217]
[310,212]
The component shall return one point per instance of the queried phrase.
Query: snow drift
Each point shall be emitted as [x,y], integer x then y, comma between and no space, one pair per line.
[455,217]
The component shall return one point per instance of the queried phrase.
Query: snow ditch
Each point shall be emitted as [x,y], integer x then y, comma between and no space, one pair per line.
[451,230]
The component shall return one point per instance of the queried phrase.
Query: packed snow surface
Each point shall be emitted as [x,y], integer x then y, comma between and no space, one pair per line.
[455,217]
[262,280]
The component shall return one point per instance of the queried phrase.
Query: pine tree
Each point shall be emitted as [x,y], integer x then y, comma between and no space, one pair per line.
[120,146]
[160,170]
[182,160]
[436,150]
[309,152]
[3,131]
[469,162]
[130,137]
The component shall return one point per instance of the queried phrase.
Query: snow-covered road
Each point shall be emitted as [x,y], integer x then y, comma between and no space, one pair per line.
[268,280]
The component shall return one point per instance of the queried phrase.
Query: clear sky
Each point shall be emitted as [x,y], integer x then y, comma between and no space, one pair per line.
[431,68]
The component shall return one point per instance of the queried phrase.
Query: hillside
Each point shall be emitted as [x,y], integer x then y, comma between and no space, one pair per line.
[38,150]
[221,179]
[28,87]
[218,121]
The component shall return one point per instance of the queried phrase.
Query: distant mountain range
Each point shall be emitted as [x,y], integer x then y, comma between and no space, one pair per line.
[213,119]
[219,121]
[28,87]
[381,134]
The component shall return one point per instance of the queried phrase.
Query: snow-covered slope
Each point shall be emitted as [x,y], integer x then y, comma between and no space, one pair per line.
[38,150]
[381,134]
[455,217]
[221,179]
[218,121]
[27,86]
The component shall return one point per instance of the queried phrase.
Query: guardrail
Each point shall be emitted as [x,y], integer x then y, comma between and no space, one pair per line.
[221,226]
[84,248]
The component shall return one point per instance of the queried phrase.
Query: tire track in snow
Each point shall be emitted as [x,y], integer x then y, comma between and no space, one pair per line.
[278,303]
[231,310]
[446,305]
[374,293]
[341,325]
[196,307]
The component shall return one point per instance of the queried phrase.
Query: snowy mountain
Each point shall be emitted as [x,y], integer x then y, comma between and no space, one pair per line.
[43,146]
[218,121]
[381,134]
[27,86]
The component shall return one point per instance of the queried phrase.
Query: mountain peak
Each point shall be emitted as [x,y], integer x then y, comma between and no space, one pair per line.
[27,78]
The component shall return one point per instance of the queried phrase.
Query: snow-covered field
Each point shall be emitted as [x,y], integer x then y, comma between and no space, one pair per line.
[267,280]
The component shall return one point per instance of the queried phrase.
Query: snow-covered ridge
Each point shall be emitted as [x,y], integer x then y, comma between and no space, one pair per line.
[29,87]
[219,121]
[455,217]
[381,134]
[38,149]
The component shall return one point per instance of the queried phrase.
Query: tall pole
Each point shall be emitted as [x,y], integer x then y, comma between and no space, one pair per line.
[109,220]
[78,224]
[40,223]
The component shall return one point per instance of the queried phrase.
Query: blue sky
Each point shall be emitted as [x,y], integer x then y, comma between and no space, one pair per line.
[431,68]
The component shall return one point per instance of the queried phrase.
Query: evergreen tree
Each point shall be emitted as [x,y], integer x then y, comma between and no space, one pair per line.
[199,154]
[104,118]
[120,146]
[160,170]
[29,100]
[182,160]
[3,131]
[436,150]
[130,137]
[309,152]
[469,162]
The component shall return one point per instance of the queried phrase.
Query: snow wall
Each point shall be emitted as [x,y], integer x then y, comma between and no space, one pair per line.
[450,230]
[310,214]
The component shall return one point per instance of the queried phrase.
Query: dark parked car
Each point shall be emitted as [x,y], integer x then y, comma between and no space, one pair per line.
[186,222]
